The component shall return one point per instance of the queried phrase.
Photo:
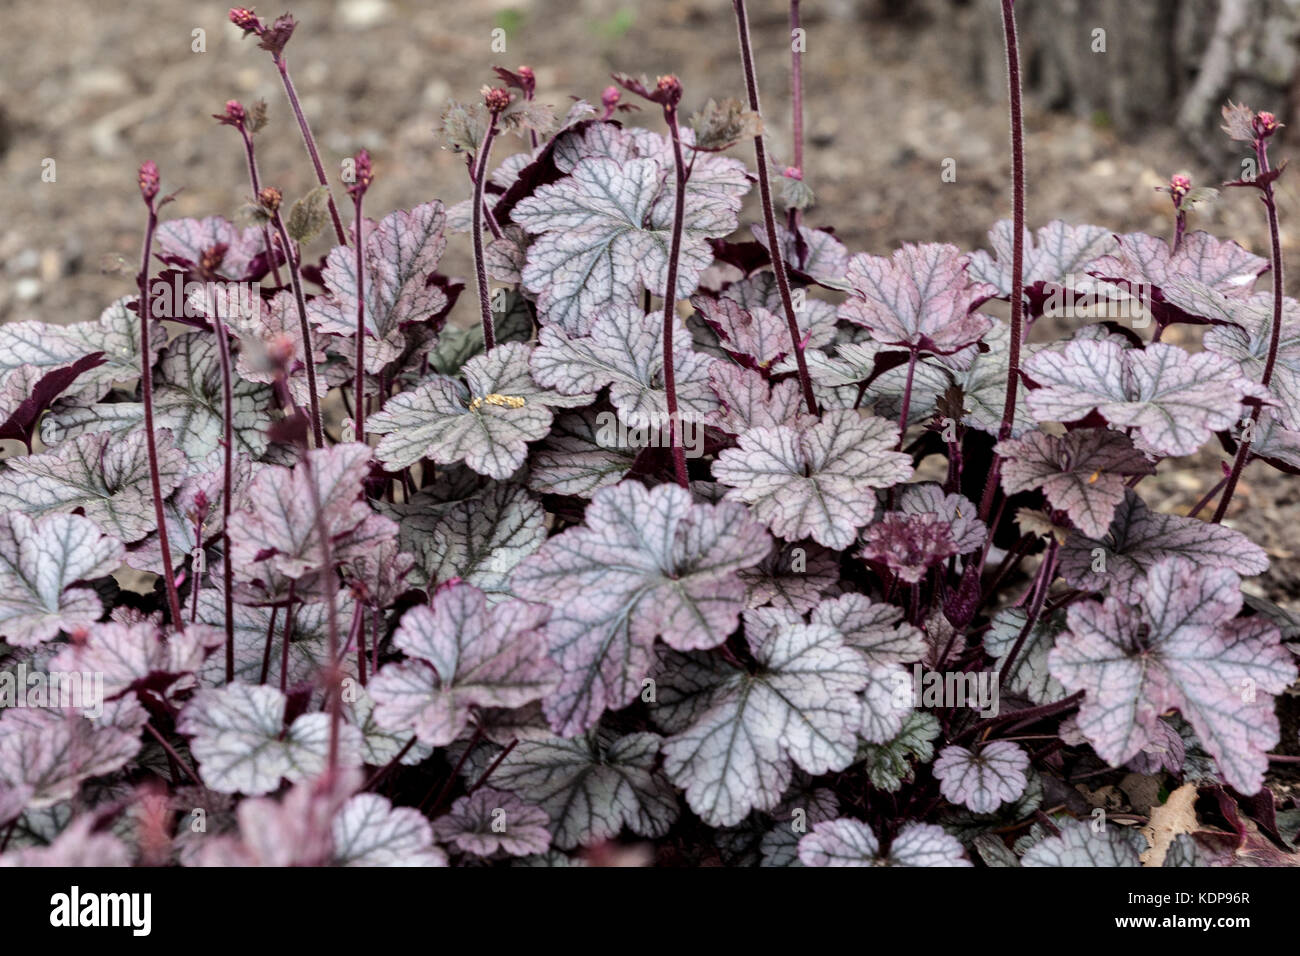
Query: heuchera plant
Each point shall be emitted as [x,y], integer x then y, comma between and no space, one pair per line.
[686,548]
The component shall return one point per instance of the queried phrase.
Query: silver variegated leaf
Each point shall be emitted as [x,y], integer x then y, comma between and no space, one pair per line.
[982,779]
[799,706]
[846,842]
[592,786]
[40,560]
[817,482]
[486,422]
[645,564]
[238,736]
[105,476]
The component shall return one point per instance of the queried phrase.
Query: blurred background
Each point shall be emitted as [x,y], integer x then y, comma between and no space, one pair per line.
[1122,94]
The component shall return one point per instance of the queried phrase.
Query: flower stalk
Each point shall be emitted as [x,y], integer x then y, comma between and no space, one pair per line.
[270,199]
[1017,248]
[769,217]
[495,100]
[149,185]
[1263,127]
[273,37]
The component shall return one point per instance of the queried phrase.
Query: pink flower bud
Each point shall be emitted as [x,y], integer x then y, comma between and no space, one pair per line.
[245,19]
[496,99]
[149,180]
[1265,124]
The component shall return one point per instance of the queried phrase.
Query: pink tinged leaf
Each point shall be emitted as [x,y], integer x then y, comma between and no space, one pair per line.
[958,512]
[817,482]
[624,351]
[920,298]
[645,564]
[800,707]
[461,655]
[1056,254]
[1138,538]
[81,844]
[486,422]
[759,292]
[239,738]
[402,253]
[138,655]
[1183,649]
[1079,845]
[105,476]
[49,752]
[1174,400]
[593,249]
[757,337]
[279,532]
[573,460]
[847,842]
[116,334]
[824,258]
[184,243]
[591,786]
[748,401]
[982,780]
[1145,260]
[40,561]
[1247,343]
[1081,473]
[791,578]
[488,822]
[370,831]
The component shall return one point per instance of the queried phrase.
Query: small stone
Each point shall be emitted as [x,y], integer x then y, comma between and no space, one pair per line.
[27,289]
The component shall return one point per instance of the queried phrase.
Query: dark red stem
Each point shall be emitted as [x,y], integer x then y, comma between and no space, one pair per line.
[295,279]
[310,142]
[480,267]
[1275,334]
[670,297]
[151,442]
[769,218]
[1017,247]
[359,388]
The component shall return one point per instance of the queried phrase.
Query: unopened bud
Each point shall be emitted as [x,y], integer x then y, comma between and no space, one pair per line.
[233,116]
[149,180]
[670,88]
[364,174]
[270,198]
[609,99]
[1265,124]
[496,99]
[245,19]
